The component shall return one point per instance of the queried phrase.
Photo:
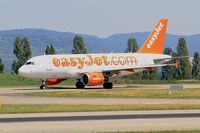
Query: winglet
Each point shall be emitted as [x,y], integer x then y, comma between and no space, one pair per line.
[155,42]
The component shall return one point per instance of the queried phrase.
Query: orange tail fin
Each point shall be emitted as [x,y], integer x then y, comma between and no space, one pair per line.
[155,42]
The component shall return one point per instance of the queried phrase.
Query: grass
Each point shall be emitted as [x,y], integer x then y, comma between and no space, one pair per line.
[14,80]
[184,131]
[123,93]
[129,80]
[11,109]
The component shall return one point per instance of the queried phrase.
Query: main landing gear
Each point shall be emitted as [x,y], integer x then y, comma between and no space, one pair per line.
[80,85]
[43,86]
[107,85]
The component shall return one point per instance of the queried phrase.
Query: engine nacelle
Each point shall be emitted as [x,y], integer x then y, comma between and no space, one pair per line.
[53,81]
[92,79]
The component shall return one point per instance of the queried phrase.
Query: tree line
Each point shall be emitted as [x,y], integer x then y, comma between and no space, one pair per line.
[22,51]
[185,71]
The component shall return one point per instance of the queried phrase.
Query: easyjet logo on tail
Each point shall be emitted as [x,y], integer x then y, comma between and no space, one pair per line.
[155,41]
[155,35]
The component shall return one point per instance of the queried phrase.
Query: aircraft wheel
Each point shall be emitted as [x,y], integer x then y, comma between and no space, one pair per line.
[107,85]
[80,85]
[43,87]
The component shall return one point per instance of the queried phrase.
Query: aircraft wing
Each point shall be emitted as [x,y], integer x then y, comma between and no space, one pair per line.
[125,68]
[157,63]
[168,59]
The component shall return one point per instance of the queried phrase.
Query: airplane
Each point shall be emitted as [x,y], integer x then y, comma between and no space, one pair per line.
[97,69]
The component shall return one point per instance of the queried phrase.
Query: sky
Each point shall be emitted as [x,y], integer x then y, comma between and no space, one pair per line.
[101,17]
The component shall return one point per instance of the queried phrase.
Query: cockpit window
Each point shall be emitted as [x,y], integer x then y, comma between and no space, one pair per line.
[30,63]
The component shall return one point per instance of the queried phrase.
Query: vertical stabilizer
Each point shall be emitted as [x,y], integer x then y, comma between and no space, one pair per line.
[155,42]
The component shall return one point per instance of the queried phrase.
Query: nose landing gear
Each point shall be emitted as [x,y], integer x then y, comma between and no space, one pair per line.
[43,86]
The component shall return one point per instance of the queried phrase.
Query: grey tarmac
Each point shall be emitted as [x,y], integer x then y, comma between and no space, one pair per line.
[102,125]
[85,122]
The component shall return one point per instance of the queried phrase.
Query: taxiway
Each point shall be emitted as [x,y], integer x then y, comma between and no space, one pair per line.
[101,121]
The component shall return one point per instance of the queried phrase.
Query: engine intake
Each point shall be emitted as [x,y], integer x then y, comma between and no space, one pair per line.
[92,79]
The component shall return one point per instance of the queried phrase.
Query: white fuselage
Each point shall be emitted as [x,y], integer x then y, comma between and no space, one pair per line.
[95,69]
[65,66]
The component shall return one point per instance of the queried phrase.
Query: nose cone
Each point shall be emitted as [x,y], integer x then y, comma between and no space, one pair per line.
[23,71]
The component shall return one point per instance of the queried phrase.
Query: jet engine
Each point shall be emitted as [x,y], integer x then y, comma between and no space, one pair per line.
[92,79]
